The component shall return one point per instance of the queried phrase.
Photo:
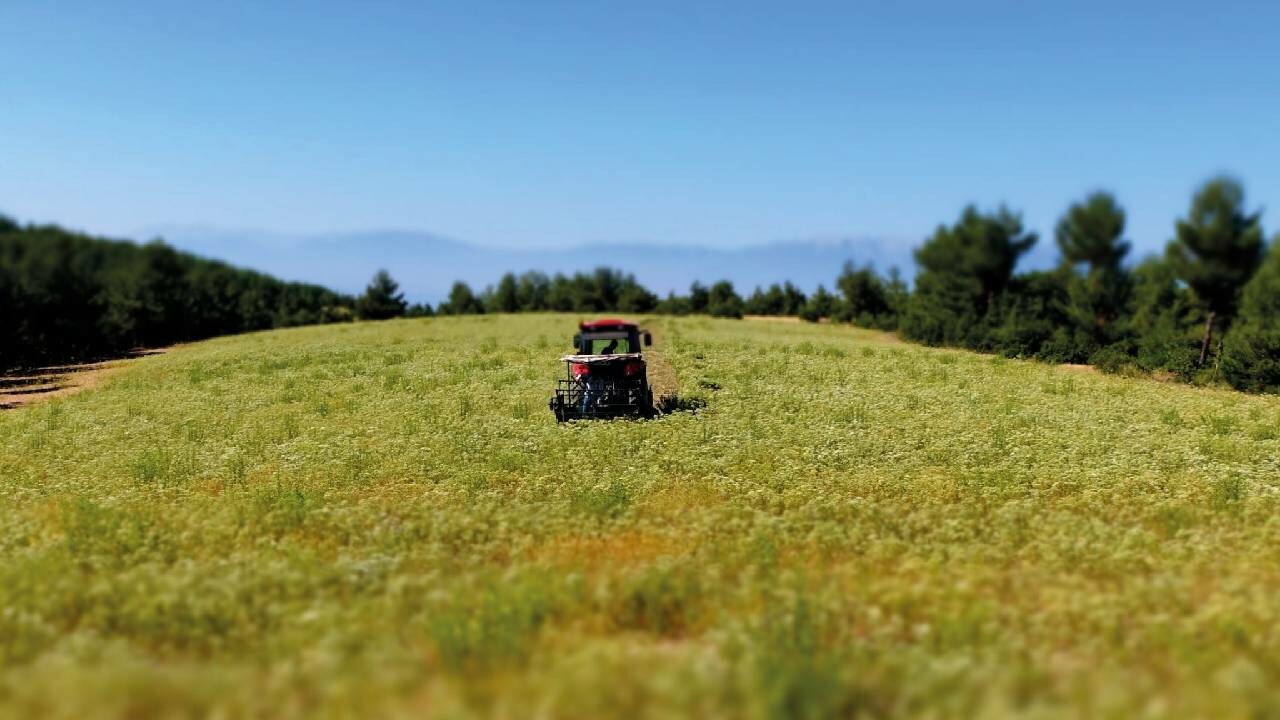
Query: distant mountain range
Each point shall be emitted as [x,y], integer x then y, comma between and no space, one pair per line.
[426,265]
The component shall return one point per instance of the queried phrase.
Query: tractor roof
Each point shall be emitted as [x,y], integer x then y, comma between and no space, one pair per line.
[606,324]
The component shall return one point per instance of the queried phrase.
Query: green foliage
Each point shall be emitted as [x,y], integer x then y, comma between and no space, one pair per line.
[1251,350]
[868,301]
[1091,233]
[66,296]
[1218,245]
[462,301]
[1029,320]
[634,298]
[897,294]
[532,291]
[821,304]
[419,310]
[699,298]
[1164,319]
[506,297]
[1092,307]
[984,247]
[602,290]
[674,304]
[942,310]
[382,299]
[1115,359]
[1217,249]
[964,269]
[784,299]
[723,301]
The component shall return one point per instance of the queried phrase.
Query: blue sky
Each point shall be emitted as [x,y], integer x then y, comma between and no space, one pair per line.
[552,124]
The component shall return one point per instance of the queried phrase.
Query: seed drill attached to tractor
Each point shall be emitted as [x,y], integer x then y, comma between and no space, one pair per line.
[606,377]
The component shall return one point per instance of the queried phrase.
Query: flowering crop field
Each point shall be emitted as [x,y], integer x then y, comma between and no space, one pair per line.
[384,519]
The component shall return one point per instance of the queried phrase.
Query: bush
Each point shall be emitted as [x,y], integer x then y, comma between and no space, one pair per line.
[1067,346]
[1167,347]
[1251,350]
[1251,358]
[1115,359]
[940,312]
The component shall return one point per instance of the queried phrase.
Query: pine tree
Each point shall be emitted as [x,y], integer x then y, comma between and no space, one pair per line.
[462,301]
[1091,234]
[794,299]
[865,299]
[506,297]
[382,299]
[1217,249]
[963,270]
[698,298]
[820,305]
[758,302]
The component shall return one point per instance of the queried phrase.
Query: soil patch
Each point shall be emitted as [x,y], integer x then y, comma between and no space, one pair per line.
[32,386]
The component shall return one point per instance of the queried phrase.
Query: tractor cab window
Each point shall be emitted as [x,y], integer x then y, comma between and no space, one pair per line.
[606,343]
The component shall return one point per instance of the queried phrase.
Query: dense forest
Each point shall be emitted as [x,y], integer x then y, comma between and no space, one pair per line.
[67,297]
[1206,310]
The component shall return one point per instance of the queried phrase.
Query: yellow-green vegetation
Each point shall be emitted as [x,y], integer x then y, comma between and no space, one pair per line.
[383,518]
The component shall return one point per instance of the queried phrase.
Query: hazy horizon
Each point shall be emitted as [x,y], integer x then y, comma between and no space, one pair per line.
[426,264]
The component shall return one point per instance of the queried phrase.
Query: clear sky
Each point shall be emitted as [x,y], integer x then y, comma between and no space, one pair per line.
[556,123]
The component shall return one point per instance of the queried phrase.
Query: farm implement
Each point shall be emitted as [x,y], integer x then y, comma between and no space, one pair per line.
[606,377]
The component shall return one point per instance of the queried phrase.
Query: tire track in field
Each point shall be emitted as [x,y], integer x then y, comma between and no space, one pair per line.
[662,374]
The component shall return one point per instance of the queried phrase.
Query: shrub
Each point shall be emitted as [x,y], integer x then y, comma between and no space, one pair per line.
[1115,359]
[1251,350]
[1251,358]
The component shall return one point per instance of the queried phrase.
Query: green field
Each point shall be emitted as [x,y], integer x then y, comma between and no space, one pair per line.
[384,519]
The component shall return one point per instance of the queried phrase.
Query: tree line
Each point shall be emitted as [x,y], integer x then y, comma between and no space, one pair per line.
[1205,310]
[67,297]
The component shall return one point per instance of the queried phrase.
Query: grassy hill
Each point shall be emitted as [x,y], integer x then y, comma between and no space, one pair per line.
[384,518]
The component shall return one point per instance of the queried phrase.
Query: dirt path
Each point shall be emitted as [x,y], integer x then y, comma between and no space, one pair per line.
[662,375]
[29,387]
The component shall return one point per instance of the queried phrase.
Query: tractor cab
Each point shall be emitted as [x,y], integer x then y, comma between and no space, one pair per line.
[606,376]
[610,336]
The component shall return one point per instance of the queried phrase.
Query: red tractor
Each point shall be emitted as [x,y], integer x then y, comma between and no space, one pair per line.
[606,377]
